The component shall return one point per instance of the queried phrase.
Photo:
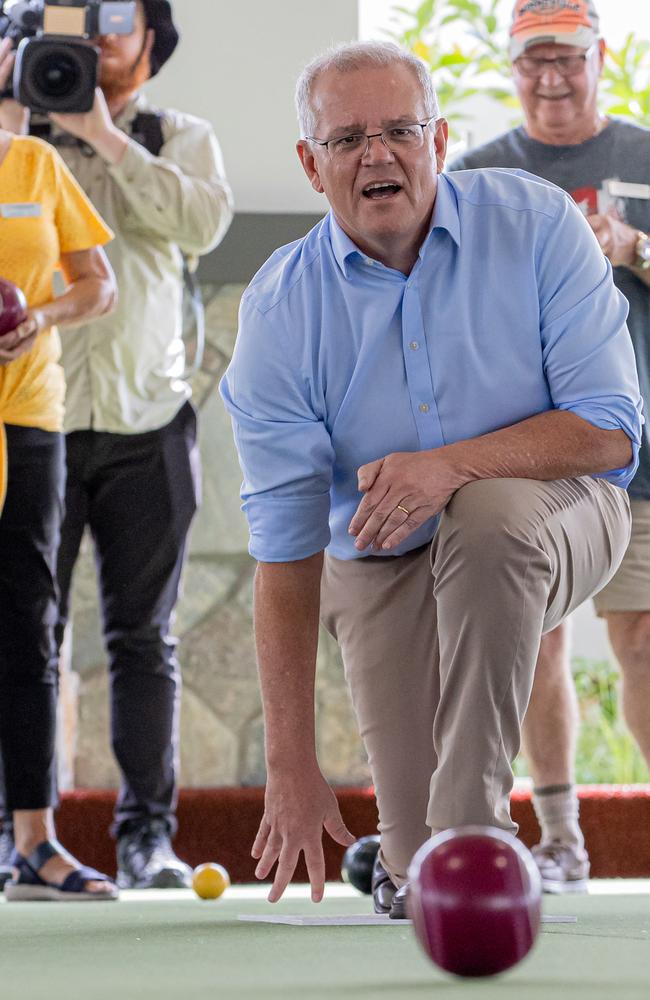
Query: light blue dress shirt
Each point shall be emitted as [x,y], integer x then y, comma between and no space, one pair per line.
[509,311]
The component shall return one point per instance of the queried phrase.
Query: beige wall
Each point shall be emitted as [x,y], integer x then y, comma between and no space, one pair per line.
[237,66]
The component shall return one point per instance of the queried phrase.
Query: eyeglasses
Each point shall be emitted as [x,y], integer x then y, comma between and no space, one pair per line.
[397,138]
[565,65]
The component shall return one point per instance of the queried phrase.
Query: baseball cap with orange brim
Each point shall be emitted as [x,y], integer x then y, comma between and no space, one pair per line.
[560,22]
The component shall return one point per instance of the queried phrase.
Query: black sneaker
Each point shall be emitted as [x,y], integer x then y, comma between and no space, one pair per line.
[146,859]
[6,850]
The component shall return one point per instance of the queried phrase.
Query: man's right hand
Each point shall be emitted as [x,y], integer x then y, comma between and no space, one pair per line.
[296,810]
[13,116]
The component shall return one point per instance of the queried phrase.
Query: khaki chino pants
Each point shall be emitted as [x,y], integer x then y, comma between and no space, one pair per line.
[439,645]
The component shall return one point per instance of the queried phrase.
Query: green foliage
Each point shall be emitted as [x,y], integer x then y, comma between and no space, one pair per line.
[606,752]
[464,43]
[467,65]
[626,80]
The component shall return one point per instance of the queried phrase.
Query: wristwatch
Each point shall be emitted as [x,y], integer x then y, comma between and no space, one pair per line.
[642,259]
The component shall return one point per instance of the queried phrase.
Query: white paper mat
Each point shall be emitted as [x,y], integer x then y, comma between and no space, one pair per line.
[358,919]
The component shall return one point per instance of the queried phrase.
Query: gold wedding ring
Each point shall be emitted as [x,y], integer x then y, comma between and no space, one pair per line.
[407,512]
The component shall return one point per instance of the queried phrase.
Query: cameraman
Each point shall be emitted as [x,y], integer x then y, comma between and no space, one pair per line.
[133,466]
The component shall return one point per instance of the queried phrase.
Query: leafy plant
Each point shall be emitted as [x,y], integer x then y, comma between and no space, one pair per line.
[606,752]
[626,80]
[455,39]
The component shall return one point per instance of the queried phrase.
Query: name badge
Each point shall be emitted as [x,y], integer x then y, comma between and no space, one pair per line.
[22,210]
[621,189]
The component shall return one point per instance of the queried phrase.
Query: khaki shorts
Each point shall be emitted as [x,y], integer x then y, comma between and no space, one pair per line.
[629,588]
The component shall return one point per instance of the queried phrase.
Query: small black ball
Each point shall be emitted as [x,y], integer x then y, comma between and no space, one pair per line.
[358,863]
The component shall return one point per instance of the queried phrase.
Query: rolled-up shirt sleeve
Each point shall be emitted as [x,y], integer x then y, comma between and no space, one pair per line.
[587,351]
[284,447]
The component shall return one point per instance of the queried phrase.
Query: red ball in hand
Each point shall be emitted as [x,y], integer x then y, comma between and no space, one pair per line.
[13,306]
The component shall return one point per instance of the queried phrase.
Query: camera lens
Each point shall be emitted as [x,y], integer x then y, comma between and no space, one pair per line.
[56,74]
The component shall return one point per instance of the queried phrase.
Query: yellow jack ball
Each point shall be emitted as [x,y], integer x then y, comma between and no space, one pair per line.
[209,881]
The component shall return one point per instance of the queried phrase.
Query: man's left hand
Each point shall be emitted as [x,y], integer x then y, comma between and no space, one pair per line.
[402,491]
[617,239]
[96,127]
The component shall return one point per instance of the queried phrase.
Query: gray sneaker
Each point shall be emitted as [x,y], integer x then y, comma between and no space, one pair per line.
[563,869]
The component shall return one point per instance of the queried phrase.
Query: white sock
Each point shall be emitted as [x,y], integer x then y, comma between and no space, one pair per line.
[557,809]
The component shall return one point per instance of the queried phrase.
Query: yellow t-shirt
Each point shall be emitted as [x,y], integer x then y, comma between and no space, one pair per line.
[43,214]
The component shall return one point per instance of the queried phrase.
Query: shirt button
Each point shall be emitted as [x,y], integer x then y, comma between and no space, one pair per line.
[414,345]
[423,407]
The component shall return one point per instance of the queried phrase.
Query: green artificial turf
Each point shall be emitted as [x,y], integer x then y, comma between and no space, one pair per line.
[180,948]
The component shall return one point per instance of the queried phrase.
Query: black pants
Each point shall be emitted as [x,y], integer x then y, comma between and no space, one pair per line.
[29,535]
[138,494]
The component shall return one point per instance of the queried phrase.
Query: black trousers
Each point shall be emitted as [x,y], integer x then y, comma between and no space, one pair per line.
[29,535]
[138,494]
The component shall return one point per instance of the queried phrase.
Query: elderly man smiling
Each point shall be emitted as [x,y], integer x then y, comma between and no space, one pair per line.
[436,409]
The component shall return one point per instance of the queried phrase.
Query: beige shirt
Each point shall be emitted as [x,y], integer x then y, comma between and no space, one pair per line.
[124,373]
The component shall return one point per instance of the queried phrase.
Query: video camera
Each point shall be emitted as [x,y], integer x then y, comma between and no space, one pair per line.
[56,68]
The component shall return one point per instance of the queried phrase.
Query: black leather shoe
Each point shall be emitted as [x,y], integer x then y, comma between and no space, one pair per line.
[383,889]
[398,909]
[146,859]
[6,850]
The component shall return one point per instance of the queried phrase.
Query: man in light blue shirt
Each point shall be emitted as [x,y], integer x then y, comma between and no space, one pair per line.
[436,408]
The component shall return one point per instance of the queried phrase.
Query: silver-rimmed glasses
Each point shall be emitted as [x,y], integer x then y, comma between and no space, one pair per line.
[397,138]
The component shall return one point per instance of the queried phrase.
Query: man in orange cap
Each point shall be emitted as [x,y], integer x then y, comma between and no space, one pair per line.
[604,163]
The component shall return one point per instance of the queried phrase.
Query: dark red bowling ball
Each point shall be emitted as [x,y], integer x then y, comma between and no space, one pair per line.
[475,898]
[13,306]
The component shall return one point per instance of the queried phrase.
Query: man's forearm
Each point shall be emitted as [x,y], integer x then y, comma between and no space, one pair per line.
[286,609]
[552,445]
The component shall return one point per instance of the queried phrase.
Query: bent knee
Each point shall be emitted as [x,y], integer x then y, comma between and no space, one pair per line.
[489,516]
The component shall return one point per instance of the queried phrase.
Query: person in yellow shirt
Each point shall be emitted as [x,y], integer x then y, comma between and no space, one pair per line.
[46,225]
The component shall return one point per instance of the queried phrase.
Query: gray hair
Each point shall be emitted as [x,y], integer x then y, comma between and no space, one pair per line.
[350,56]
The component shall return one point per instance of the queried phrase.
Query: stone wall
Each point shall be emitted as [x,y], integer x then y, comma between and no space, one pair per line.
[221,722]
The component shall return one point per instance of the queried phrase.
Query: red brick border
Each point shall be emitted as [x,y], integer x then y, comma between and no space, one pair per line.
[219,824]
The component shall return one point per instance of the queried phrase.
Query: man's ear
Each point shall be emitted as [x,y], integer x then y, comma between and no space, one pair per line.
[149,42]
[309,165]
[602,52]
[440,140]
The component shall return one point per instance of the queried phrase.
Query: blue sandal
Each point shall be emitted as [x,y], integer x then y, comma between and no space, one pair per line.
[31,886]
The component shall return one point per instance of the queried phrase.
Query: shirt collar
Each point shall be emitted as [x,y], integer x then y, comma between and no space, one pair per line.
[445,216]
[445,212]
[342,246]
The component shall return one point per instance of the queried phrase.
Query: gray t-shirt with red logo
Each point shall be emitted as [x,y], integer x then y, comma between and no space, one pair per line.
[608,173]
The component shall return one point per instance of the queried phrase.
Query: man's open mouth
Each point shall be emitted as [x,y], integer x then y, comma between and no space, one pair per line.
[381,189]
